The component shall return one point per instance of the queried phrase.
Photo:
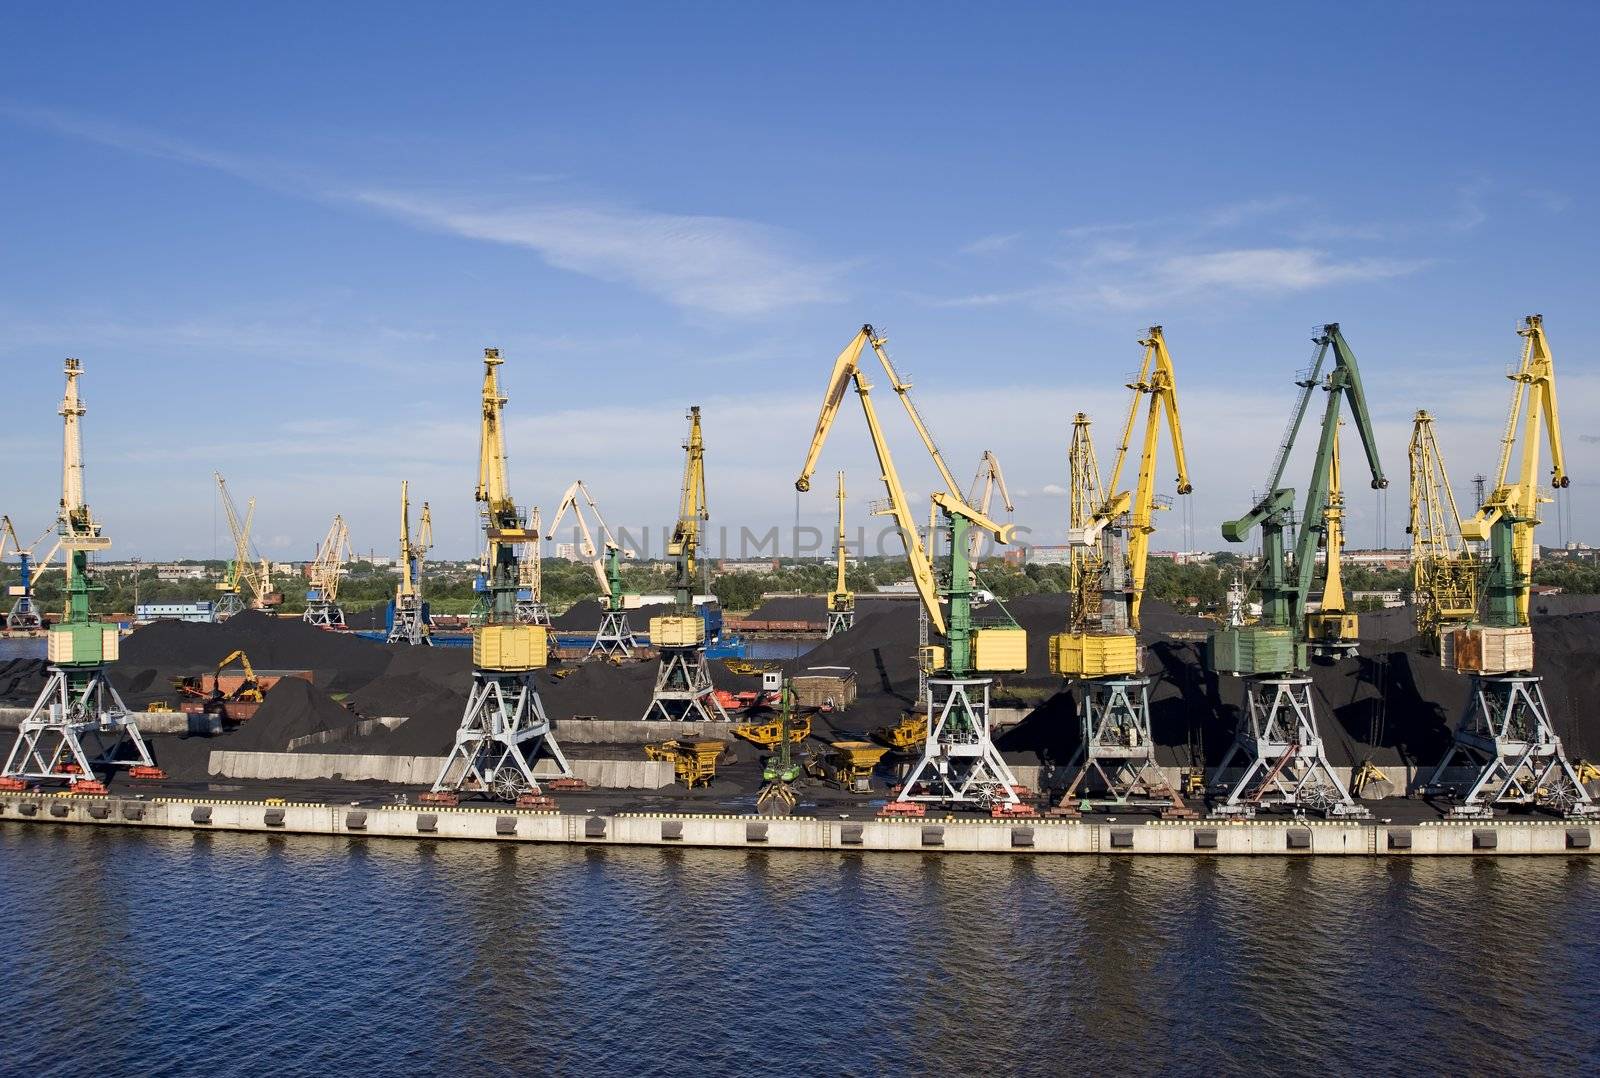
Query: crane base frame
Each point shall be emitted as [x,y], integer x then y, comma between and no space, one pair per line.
[840,621]
[24,617]
[960,764]
[1506,734]
[1118,749]
[684,692]
[1288,766]
[409,627]
[503,732]
[69,720]
[533,612]
[614,638]
[324,615]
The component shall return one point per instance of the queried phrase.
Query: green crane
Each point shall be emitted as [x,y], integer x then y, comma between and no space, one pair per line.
[1278,729]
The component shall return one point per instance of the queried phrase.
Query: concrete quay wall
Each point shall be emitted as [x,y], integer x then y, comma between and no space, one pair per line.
[504,824]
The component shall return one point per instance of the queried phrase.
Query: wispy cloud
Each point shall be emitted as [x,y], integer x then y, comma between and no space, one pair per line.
[717,264]
[988,245]
[1274,269]
[1055,489]
[1468,213]
[1127,276]
[136,140]
[704,262]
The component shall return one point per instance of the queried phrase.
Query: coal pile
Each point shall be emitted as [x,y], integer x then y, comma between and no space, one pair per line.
[293,708]
[373,617]
[584,617]
[791,608]
[340,662]
[21,681]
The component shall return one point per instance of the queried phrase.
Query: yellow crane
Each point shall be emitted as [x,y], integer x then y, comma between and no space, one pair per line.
[504,728]
[960,764]
[614,638]
[841,601]
[247,572]
[531,607]
[1084,498]
[981,497]
[322,595]
[1109,534]
[408,614]
[1333,630]
[1506,734]
[1444,572]
[684,691]
[1508,517]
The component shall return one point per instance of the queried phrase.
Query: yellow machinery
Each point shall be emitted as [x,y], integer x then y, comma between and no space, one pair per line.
[768,734]
[841,601]
[1444,572]
[847,765]
[748,666]
[909,734]
[1506,734]
[960,764]
[248,571]
[504,728]
[684,691]
[322,597]
[1110,532]
[614,638]
[694,759]
[408,615]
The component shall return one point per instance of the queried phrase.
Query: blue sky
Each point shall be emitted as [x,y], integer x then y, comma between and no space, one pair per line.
[279,239]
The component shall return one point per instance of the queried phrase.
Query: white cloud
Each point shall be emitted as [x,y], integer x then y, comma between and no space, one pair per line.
[1055,489]
[718,264]
[1123,276]
[1274,269]
[988,245]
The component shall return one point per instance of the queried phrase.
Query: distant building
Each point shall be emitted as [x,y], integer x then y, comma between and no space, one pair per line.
[567,552]
[1186,557]
[1371,559]
[758,565]
[200,612]
[1048,555]
[1389,599]
[181,572]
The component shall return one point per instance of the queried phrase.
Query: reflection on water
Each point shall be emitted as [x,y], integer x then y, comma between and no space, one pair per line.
[228,954]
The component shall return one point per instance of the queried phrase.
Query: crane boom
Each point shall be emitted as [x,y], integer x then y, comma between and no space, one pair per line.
[332,552]
[1508,517]
[1085,499]
[597,560]
[842,597]
[685,543]
[847,369]
[1283,599]
[1444,573]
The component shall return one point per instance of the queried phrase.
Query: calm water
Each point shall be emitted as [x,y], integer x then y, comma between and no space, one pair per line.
[224,954]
